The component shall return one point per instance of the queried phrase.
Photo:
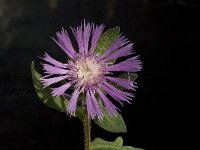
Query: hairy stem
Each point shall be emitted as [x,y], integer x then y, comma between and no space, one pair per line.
[87,132]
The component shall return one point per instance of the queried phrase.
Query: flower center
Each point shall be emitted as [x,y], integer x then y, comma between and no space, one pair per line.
[88,70]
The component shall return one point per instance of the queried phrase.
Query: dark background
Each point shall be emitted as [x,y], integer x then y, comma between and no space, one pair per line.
[165,112]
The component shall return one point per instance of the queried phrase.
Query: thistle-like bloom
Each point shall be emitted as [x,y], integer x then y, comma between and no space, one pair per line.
[90,73]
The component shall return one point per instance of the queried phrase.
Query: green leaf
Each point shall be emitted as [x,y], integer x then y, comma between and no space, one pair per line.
[100,144]
[114,124]
[130,76]
[58,103]
[106,39]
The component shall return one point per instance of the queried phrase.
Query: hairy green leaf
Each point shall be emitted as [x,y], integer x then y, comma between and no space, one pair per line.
[114,124]
[106,39]
[58,103]
[100,144]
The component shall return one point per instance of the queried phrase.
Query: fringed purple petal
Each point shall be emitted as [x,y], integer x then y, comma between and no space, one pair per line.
[60,90]
[90,107]
[123,51]
[96,33]
[54,62]
[98,110]
[86,37]
[130,65]
[52,70]
[111,108]
[78,34]
[119,42]
[73,102]
[65,43]
[127,84]
[48,81]
[116,94]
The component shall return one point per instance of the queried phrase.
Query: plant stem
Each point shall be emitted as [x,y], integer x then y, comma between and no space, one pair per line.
[87,132]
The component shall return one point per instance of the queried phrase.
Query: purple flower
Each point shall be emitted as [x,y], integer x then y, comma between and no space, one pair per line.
[90,73]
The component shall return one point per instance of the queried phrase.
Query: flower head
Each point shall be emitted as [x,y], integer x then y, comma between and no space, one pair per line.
[90,73]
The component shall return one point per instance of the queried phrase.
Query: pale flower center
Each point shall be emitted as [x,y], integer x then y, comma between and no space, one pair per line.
[88,70]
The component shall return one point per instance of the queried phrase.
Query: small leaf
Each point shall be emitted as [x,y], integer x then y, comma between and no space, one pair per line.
[130,76]
[58,103]
[106,39]
[114,124]
[118,141]
[100,144]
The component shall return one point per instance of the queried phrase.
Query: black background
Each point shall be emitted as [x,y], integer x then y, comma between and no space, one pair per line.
[165,112]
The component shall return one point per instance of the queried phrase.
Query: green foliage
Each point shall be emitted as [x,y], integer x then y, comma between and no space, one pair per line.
[114,124]
[130,76]
[106,39]
[99,144]
[58,103]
